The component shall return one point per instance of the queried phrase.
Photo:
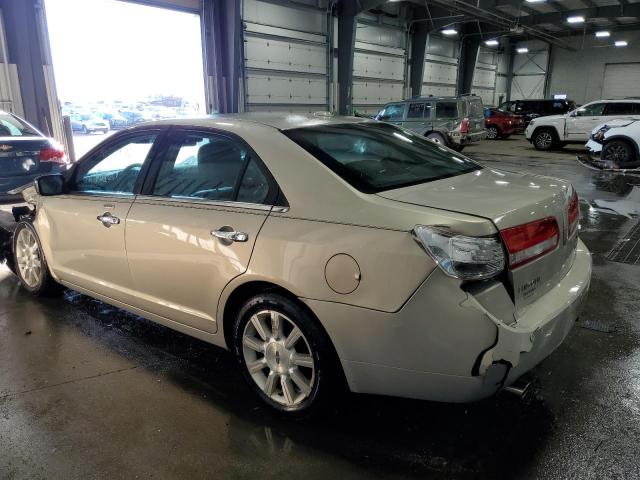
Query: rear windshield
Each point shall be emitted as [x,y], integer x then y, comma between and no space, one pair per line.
[374,157]
[11,126]
[476,108]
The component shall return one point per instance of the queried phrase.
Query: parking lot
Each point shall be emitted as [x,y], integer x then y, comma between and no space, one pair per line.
[86,387]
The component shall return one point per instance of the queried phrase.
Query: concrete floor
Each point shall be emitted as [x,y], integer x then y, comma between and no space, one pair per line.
[87,391]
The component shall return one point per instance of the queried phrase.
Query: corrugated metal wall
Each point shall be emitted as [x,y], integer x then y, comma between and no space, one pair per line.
[530,71]
[379,66]
[440,67]
[285,57]
[484,75]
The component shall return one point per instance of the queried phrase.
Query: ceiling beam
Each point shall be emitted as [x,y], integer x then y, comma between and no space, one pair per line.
[613,11]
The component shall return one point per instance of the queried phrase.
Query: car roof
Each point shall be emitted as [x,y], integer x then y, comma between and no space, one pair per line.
[278,120]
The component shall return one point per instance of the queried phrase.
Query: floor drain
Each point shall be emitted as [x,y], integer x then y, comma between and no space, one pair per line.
[595,325]
[627,250]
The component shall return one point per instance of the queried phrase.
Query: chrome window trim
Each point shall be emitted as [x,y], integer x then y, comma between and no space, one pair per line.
[204,202]
[97,196]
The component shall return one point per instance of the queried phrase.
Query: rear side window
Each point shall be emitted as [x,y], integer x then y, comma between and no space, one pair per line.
[447,110]
[374,157]
[210,167]
[11,126]
[475,108]
[619,108]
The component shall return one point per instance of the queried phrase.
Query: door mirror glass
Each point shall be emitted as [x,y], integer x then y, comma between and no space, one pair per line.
[49,185]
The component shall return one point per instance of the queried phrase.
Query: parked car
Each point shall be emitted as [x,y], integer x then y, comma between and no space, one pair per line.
[530,109]
[116,121]
[25,153]
[88,123]
[320,251]
[501,124]
[451,121]
[134,117]
[575,127]
[616,144]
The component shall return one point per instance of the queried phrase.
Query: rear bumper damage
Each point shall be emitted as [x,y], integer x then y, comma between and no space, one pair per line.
[444,345]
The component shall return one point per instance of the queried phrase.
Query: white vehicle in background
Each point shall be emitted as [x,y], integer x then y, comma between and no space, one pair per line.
[615,144]
[555,131]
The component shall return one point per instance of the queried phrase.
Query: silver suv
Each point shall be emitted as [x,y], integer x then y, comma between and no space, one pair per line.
[451,121]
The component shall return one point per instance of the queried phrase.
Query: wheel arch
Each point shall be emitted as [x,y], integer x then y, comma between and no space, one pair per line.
[626,139]
[547,127]
[240,293]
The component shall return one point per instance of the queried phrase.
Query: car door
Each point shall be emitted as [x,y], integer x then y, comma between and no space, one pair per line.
[83,230]
[193,229]
[615,110]
[416,120]
[582,121]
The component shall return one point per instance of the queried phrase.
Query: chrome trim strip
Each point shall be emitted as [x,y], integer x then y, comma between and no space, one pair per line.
[195,201]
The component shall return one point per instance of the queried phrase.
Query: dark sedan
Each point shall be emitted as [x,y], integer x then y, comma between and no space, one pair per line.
[25,154]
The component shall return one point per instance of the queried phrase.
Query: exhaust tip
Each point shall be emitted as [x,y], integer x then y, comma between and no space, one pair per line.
[519,388]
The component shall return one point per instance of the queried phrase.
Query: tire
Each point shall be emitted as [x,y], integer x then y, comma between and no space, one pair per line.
[545,139]
[436,137]
[30,265]
[619,152]
[297,388]
[492,133]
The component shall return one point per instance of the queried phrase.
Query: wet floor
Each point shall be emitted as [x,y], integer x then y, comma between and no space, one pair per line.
[88,391]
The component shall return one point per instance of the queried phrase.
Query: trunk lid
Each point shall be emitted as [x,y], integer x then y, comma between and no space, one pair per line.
[20,156]
[508,200]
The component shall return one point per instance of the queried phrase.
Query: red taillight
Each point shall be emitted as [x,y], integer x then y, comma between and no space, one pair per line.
[464,125]
[573,214]
[53,154]
[527,242]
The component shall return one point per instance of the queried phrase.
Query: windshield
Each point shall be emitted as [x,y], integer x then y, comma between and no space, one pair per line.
[374,157]
[11,126]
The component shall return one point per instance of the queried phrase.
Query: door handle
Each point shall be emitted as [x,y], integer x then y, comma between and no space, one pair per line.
[230,236]
[107,219]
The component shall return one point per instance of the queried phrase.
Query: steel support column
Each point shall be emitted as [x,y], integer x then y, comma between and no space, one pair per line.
[419,36]
[469,49]
[222,38]
[346,46]
[25,50]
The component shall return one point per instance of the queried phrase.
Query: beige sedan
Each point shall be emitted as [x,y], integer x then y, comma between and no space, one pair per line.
[322,251]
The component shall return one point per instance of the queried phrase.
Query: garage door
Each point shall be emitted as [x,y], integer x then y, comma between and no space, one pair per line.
[621,80]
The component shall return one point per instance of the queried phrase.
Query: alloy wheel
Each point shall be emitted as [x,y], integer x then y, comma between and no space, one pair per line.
[544,140]
[492,133]
[278,357]
[616,153]
[29,258]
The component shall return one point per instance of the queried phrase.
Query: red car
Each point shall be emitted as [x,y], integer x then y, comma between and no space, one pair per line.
[501,124]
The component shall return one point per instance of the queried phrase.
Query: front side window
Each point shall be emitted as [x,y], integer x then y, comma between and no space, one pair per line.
[392,112]
[447,110]
[115,169]
[374,157]
[210,167]
[593,110]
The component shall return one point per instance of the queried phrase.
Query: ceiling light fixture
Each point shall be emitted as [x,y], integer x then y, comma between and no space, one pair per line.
[577,19]
[522,50]
[536,1]
[449,31]
[492,43]
[603,34]
[621,43]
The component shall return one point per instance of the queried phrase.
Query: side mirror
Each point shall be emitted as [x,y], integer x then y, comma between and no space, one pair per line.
[49,185]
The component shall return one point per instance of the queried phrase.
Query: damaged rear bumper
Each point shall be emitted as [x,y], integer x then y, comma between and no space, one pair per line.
[444,345]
